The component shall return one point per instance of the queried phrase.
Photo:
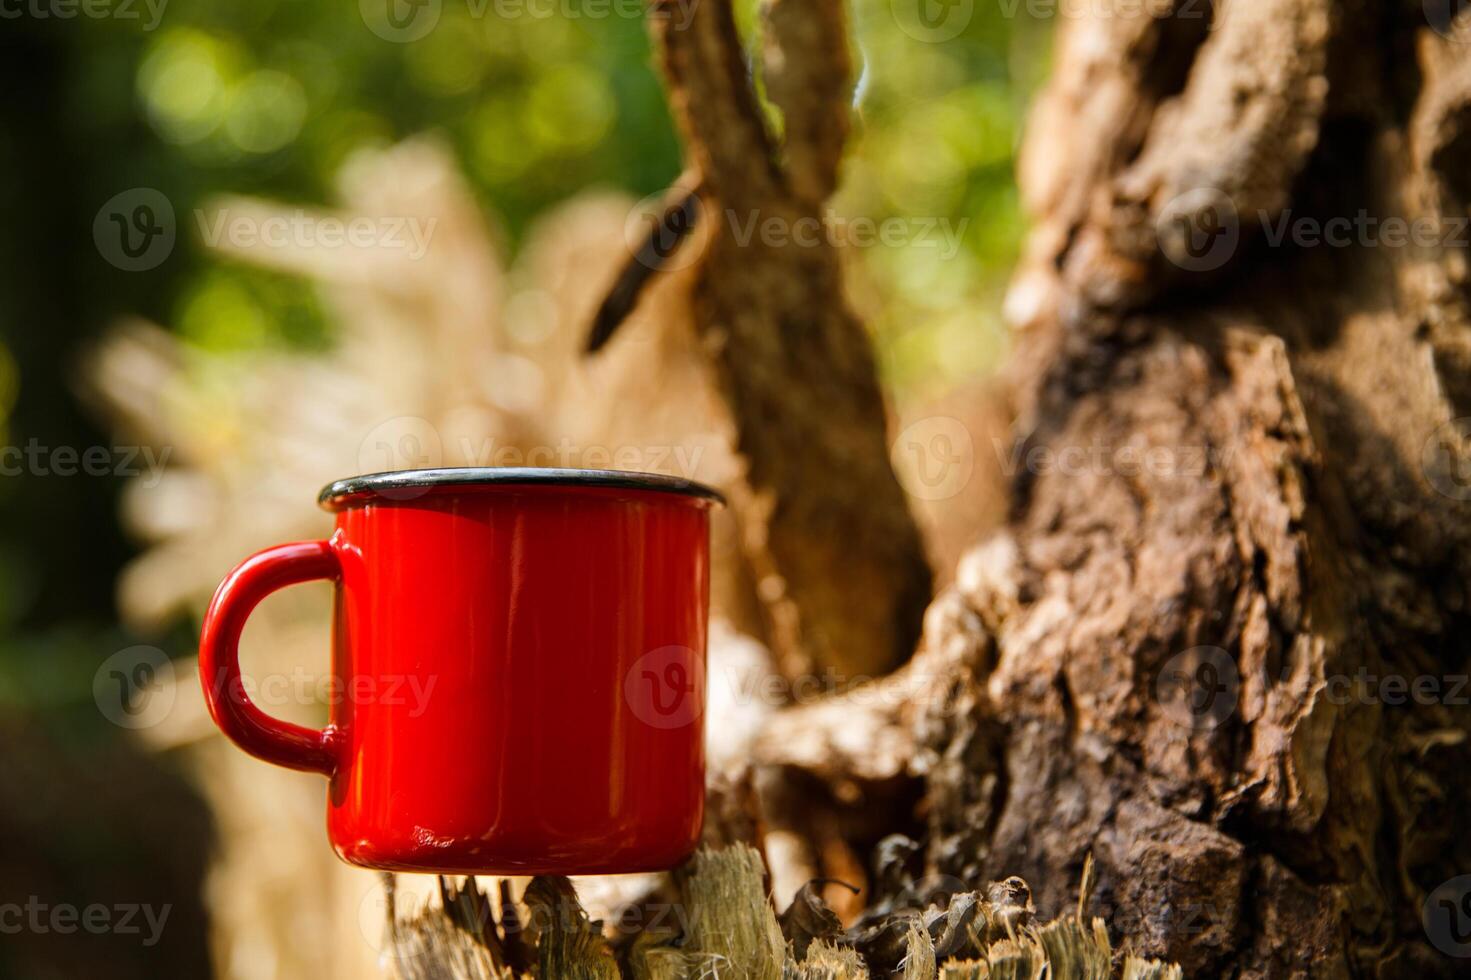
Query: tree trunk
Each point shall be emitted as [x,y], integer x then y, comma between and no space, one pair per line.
[1237,511]
[823,517]
[1220,643]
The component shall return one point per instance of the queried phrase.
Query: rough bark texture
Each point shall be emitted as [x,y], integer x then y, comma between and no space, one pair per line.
[1301,520]
[1238,539]
[823,517]
[1238,510]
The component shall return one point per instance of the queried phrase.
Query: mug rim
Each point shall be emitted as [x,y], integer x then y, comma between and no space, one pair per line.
[342,493]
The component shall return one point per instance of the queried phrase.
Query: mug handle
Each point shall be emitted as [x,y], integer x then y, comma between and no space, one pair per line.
[242,721]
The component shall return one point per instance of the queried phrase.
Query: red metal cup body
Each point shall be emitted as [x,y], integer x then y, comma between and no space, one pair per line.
[518,677]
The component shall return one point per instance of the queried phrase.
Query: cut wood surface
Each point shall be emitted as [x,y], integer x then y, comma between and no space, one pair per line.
[724,925]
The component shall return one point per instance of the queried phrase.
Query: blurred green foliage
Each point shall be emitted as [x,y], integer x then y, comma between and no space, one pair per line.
[539,101]
[271,98]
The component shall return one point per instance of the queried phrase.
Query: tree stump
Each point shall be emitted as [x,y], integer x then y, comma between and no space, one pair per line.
[1219,646]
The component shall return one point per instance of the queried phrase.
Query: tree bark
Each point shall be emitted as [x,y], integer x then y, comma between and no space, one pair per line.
[822,515]
[1236,511]
[1220,642]
[1238,532]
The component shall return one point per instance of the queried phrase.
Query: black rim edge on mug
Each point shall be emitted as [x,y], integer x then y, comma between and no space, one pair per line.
[336,495]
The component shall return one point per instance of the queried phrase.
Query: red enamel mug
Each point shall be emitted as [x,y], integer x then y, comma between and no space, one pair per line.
[550,626]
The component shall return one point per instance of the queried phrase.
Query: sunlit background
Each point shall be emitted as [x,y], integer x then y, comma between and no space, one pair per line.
[271,99]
